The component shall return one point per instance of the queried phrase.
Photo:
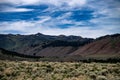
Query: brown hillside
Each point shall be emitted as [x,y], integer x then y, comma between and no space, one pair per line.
[55,51]
[108,46]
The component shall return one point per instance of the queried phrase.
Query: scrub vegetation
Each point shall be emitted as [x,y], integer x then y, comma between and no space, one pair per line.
[24,70]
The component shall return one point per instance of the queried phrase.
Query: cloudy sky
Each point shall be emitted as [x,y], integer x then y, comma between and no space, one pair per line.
[86,18]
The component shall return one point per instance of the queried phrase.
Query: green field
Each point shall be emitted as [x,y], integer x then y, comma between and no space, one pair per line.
[24,70]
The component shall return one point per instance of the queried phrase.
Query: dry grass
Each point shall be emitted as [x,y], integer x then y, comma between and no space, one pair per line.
[23,70]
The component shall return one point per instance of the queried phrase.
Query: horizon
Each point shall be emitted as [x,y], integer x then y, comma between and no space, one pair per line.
[60,35]
[86,18]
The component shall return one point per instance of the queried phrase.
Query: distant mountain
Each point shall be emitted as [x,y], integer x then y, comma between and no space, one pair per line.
[32,44]
[106,46]
[63,48]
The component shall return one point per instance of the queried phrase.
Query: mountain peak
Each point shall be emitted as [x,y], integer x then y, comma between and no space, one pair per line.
[107,36]
[39,34]
[62,35]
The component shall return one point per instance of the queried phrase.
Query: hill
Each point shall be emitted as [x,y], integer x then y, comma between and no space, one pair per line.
[60,48]
[106,46]
[10,55]
[32,44]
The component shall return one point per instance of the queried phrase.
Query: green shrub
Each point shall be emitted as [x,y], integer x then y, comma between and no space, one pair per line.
[23,70]
[92,75]
[101,78]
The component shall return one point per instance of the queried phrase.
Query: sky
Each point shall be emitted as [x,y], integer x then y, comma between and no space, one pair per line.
[86,18]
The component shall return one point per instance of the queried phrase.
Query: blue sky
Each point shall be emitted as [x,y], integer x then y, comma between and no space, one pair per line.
[86,18]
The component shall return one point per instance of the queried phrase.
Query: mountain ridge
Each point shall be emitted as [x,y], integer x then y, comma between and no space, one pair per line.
[64,47]
[20,42]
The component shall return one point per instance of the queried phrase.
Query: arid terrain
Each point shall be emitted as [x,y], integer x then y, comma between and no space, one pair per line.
[60,48]
[24,70]
[59,39]
[43,57]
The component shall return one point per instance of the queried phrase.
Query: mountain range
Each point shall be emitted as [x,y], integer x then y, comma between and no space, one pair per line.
[60,47]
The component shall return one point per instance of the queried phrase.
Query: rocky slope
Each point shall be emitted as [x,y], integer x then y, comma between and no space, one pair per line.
[32,44]
[106,46]
[64,47]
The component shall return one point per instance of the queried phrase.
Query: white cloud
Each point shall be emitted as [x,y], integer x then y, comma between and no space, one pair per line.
[12,9]
[68,4]
[65,15]
[105,24]
[43,19]
[32,27]
[109,8]
[76,2]
[52,2]
[105,21]
[66,21]
[20,2]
